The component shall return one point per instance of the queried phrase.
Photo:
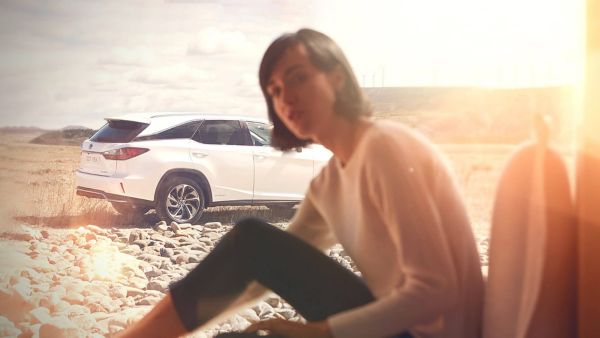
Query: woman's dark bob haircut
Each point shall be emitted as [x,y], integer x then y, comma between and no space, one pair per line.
[325,55]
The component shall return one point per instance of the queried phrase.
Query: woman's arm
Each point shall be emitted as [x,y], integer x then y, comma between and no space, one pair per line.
[309,225]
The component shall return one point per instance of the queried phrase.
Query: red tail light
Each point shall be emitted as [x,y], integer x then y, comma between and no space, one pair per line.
[123,153]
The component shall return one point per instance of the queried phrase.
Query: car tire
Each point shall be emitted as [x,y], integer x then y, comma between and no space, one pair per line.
[127,209]
[180,200]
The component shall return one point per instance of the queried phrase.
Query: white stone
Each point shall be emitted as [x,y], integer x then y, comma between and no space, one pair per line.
[85,322]
[213,225]
[132,250]
[134,292]
[133,314]
[33,275]
[148,301]
[14,305]
[41,288]
[138,282]
[72,310]
[212,236]
[60,306]
[8,328]
[74,298]
[97,230]
[63,329]
[264,309]
[58,290]
[40,315]
[238,323]
[249,315]
[29,330]
[95,287]
[73,285]
[118,291]
[98,303]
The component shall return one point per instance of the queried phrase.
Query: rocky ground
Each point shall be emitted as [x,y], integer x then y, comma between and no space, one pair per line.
[93,282]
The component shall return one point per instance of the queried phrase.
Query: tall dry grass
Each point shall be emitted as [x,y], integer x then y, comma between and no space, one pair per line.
[38,184]
[41,190]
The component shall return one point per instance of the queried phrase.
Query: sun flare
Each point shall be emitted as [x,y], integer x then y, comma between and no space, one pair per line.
[106,262]
[512,43]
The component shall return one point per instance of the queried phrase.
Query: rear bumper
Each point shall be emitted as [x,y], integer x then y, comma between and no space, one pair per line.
[113,189]
[99,194]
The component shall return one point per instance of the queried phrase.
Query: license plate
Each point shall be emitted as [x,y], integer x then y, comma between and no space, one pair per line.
[91,162]
[91,158]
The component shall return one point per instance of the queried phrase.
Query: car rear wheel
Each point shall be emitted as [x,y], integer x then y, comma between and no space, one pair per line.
[124,208]
[180,200]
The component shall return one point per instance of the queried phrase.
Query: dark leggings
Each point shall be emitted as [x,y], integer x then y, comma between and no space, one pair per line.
[314,284]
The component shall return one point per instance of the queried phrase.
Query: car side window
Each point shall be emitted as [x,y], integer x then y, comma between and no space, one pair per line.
[221,132]
[260,133]
[185,130]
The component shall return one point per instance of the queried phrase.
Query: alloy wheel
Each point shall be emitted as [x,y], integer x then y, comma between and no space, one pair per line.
[183,202]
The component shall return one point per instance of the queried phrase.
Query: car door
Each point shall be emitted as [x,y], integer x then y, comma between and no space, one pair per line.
[221,151]
[278,176]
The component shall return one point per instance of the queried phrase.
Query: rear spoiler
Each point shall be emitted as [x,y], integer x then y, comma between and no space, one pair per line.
[131,118]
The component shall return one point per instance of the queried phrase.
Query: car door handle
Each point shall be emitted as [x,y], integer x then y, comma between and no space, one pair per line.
[259,157]
[199,155]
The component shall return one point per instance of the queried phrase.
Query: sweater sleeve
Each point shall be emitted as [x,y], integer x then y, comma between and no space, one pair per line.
[401,185]
[309,225]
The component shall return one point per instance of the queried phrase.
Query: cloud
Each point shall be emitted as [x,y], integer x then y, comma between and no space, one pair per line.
[179,75]
[123,59]
[214,41]
[65,62]
[248,87]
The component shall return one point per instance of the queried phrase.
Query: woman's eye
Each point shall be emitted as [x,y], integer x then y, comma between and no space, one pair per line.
[299,77]
[296,78]
[274,92]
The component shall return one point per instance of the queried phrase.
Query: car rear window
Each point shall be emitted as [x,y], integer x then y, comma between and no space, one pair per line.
[118,131]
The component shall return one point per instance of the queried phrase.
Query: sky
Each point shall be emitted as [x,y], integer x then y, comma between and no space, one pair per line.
[65,63]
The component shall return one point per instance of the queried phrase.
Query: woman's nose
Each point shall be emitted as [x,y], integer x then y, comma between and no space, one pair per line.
[287,96]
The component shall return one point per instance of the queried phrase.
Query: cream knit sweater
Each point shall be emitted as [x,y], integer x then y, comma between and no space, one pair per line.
[396,210]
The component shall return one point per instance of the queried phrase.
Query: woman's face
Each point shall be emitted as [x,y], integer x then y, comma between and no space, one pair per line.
[303,96]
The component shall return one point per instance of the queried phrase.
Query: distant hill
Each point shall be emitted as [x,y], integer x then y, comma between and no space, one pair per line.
[19,134]
[22,130]
[469,114]
[69,137]
[74,128]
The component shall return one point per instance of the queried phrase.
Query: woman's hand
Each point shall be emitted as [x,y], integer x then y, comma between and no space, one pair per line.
[291,329]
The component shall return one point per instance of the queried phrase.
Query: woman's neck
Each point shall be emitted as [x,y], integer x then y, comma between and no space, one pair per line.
[342,137]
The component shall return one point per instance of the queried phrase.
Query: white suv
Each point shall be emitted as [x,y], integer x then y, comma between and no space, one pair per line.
[179,164]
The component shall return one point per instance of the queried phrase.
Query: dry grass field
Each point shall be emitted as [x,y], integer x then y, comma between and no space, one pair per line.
[37,187]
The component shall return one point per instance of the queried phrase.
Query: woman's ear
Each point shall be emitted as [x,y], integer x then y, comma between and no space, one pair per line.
[337,78]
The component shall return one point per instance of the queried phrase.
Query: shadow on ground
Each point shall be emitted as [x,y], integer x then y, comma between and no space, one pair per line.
[110,219]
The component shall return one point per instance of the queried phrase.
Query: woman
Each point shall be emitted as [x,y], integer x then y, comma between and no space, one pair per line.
[386,195]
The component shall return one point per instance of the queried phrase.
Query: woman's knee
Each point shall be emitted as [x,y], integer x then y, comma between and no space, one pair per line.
[251,229]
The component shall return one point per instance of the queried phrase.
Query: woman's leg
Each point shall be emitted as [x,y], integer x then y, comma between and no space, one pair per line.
[314,284]
[161,322]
